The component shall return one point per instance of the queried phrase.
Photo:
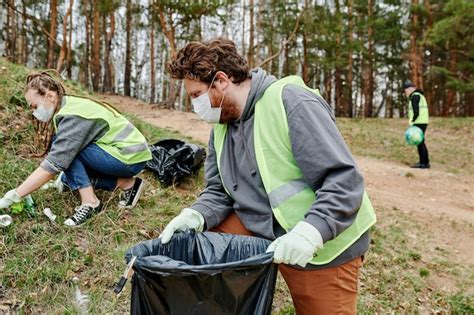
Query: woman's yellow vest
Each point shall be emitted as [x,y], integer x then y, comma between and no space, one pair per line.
[122,140]
[289,195]
[423,115]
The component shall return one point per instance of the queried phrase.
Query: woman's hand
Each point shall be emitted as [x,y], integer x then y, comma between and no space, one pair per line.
[37,179]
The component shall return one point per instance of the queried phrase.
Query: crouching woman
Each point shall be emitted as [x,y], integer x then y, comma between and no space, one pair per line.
[94,147]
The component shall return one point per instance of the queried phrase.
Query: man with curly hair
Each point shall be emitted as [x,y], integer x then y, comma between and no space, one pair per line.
[279,169]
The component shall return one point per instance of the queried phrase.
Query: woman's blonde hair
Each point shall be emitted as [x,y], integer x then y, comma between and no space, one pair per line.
[43,82]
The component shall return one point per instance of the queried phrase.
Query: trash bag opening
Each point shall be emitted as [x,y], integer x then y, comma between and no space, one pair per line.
[231,274]
[206,249]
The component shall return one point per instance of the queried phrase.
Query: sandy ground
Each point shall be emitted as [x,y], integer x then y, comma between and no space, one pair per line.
[442,203]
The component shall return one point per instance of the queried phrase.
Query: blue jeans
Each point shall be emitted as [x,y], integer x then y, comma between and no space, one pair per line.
[94,166]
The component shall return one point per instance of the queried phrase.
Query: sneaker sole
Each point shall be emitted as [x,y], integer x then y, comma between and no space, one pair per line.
[137,197]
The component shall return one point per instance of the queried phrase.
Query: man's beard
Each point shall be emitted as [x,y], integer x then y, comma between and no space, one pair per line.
[230,110]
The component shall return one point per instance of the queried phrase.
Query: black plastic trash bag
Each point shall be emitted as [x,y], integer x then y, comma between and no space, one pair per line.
[203,273]
[175,159]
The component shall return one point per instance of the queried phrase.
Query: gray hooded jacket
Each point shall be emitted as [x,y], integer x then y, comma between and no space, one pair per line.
[320,152]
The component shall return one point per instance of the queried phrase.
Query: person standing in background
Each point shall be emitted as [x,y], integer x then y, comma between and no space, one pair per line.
[418,116]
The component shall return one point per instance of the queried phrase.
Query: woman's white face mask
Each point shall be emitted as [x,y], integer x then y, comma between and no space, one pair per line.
[203,108]
[42,113]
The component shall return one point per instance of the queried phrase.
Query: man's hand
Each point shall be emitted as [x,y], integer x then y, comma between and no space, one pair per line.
[10,198]
[298,246]
[187,219]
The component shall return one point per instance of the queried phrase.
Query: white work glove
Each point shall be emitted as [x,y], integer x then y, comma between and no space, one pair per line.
[298,246]
[187,219]
[10,198]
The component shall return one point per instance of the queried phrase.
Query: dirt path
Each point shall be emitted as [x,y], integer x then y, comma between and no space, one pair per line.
[440,202]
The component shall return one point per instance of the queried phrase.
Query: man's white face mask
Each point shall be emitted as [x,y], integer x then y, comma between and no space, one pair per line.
[203,108]
[42,113]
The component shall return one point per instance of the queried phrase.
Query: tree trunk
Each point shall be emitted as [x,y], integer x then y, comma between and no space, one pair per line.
[259,30]
[169,32]
[415,58]
[250,55]
[64,46]
[429,94]
[69,49]
[152,54]
[339,108]
[368,73]
[8,41]
[328,85]
[243,28]
[304,66]
[96,47]
[350,73]
[24,41]
[84,74]
[448,108]
[109,79]
[128,50]
[287,60]
[469,103]
[53,9]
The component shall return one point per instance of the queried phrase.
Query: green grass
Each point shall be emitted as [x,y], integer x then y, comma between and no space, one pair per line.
[447,140]
[38,258]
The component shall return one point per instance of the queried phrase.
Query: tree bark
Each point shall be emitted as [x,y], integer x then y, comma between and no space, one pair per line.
[250,56]
[24,42]
[430,93]
[69,49]
[64,46]
[128,50]
[328,85]
[169,32]
[368,73]
[350,73]
[53,9]
[109,79]
[415,58]
[152,53]
[243,28]
[84,74]
[450,95]
[469,103]
[96,47]
[339,108]
[259,32]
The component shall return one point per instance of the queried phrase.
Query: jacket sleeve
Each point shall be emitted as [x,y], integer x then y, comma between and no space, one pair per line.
[415,103]
[73,134]
[325,161]
[213,203]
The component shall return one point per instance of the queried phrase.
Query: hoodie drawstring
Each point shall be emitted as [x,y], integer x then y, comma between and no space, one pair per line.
[246,148]
[231,164]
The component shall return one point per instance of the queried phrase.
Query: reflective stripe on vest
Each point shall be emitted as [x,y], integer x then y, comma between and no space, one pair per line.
[289,195]
[122,140]
[423,112]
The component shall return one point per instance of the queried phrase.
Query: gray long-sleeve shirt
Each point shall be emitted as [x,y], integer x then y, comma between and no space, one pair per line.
[321,153]
[73,134]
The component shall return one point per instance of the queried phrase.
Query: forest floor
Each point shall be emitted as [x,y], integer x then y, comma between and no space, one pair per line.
[438,203]
[420,260]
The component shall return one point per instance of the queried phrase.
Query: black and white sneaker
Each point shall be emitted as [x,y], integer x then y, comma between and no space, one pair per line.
[129,198]
[82,214]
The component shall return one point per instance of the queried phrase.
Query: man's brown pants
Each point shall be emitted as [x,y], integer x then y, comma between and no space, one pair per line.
[326,291]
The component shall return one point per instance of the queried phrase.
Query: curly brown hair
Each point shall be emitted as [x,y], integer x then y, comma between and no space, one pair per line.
[201,60]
